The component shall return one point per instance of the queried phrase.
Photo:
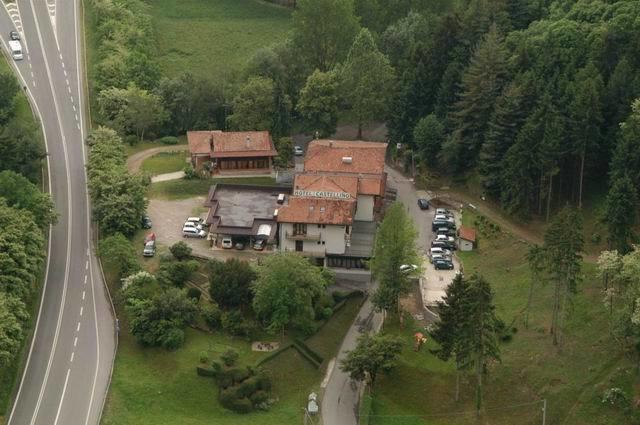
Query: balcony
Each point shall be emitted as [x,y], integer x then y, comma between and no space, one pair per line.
[301,236]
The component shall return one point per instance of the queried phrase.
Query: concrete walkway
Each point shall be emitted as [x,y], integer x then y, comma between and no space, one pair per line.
[177,175]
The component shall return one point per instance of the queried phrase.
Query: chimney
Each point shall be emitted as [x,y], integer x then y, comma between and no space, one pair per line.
[347,159]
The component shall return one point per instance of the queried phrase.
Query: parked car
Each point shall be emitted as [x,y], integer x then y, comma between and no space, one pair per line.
[443,264]
[445,238]
[444,217]
[149,237]
[149,249]
[408,268]
[227,243]
[14,35]
[259,244]
[423,204]
[239,246]
[435,257]
[192,224]
[445,231]
[438,250]
[444,211]
[196,221]
[298,151]
[192,232]
[436,224]
[146,222]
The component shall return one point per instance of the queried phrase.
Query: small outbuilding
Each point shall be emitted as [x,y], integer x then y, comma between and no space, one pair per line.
[466,238]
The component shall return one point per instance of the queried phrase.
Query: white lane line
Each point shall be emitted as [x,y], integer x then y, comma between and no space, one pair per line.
[75,341]
[60,56]
[74,106]
[73,101]
[81,310]
[73,354]
[64,390]
[63,67]
[32,76]
[76,117]
[78,125]
[83,294]
[30,66]
[34,83]
[85,279]
[67,80]
[86,266]
[65,72]
[69,89]
[78,327]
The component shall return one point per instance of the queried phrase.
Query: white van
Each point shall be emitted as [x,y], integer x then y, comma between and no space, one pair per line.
[16,49]
[192,232]
[440,251]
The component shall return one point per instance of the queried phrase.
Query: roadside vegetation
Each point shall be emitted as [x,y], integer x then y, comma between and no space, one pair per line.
[25,215]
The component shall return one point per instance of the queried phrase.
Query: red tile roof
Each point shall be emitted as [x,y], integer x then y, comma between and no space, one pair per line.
[220,144]
[467,233]
[333,156]
[372,186]
[317,211]
[322,183]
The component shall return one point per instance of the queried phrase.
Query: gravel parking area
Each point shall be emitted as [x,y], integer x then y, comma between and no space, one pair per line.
[168,217]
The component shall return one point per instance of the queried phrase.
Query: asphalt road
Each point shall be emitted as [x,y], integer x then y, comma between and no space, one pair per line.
[69,363]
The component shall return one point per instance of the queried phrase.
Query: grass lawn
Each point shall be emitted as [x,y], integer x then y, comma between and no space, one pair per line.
[214,38]
[421,390]
[182,189]
[164,162]
[148,144]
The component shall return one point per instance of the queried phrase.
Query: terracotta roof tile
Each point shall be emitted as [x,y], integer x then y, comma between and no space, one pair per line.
[372,186]
[220,144]
[467,233]
[330,156]
[317,211]
[314,182]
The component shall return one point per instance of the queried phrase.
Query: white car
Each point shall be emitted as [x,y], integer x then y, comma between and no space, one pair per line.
[192,232]
[192,224]
[408,268]
[195,220]
[439,257]
[227,243]
[298,151]
[445,238]
[438,250]
[443,211]
[443,217]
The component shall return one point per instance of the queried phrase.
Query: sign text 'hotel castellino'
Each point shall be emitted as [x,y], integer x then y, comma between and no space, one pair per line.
[321,194]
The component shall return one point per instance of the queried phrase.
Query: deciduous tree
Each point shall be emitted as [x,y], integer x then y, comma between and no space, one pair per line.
[254,107]
[318,103]
[622,202]
[373,355]
[20,193]
[230,283]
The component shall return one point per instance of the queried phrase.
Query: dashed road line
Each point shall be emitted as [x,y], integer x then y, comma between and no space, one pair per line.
[81,310]
[78,327]
[73,354]
[69,89]
[75,341]
[83,294]
[86,266]
[85,279]
[76,117]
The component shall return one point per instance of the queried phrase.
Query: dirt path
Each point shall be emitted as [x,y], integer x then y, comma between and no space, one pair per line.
[134,162]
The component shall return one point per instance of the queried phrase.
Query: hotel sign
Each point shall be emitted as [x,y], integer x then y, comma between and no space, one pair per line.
[321,194]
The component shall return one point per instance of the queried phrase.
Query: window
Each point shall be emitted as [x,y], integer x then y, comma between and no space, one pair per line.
[299,228]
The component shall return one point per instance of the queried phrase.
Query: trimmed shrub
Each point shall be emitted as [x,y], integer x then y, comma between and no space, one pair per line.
[180,251]
[204,357]
[194,293]
[203,371]
[169,140]
[259,397]
[211,315]
[241,405]
[263,382]
[247,387]
[229,357]
[190,173]
[240,374]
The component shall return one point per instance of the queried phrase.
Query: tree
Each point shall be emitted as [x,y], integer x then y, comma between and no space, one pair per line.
[177,272]
[626,157]
[284,146]
[131,110]
[481,329]
[482,83]
[9,88]
[395,245]
[373,355]
[284,291]
[140,285]
[367,79]
[318,103]
[180,251]
[20,193]
[536,261]
[622,201]
[230,283]
[323,30]
[563,245]
[428,136]
[13,316]
[160,321]
[21,150]
[450,331]
[254,107]
[586,116]
[117,252]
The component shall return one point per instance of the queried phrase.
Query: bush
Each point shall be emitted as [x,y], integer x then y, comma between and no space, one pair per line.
[326,313]
[190,173]
[240,405]
[194,294]
[204,357]
[216,366]
[240,374]
[264,382]
[233,322]
[169,140]
[131,139]
[177,272]
[203,371]
[615,397]
[259,397]
[229,357]
[180,251]
[211,315]
[339,296]
[247,387]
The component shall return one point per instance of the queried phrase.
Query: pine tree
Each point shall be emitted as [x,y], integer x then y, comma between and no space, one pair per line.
[481,329]
[449,331]
[623,86]
[622,202]
[586,116]
[482,83]
[626,157]
[563,245]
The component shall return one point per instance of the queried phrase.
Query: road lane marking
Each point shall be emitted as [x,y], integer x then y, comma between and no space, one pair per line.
[34,83]
[67,80]
[76,117]
[65,72]
[78,327]
[81,310]
[60,56]
[62,64]
[78,125]
[64,390]
[86,266]
[83,294]
[73,354]
[85,279]
[33,76]
[72,101]
[74,107]
[69,89]
[75,341]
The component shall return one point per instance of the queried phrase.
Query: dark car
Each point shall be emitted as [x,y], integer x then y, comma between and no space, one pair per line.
[444,245]
[423,204]
[259,244]
[441,264]
[445,231]
[14,35]
[436,224]
[146,222]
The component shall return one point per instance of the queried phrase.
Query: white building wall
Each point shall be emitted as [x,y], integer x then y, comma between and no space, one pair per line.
[364,208]
[465,245]
[333,237]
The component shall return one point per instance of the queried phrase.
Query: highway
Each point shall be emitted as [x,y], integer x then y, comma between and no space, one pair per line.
[70,357]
